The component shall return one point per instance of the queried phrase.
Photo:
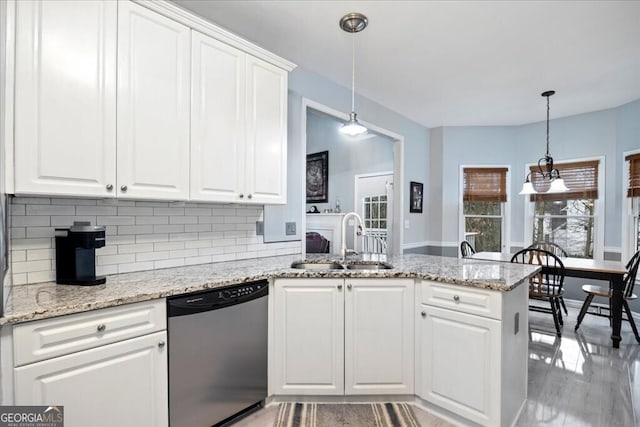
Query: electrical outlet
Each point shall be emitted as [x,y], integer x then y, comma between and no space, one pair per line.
[290,228]
[259,228]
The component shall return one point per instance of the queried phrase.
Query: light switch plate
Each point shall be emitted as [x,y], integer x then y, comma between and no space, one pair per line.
[290,228]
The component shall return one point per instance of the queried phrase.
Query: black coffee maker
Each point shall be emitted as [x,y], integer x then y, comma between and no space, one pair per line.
[76,254]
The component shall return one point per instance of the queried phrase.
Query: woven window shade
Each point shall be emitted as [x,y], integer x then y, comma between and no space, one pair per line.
[581,178]
[634,175]
[485,185]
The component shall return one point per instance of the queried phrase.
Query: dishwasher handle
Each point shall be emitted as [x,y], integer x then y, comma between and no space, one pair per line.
[217,298]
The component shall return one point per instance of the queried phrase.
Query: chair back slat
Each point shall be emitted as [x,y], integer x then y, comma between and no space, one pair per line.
[550,280]
[632,271]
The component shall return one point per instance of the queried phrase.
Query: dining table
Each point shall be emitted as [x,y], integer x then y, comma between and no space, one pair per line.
[611,271]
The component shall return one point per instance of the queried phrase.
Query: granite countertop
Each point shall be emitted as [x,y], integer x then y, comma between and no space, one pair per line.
[44,300]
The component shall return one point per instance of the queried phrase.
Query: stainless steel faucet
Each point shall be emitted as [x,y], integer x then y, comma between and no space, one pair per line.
[343,248]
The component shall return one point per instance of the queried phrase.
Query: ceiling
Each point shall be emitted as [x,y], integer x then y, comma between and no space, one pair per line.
[456,63]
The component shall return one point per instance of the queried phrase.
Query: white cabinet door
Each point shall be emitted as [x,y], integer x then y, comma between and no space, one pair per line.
[153,105]
[308,335]
[65,98]
[460,363]
[379,336]
[121,384]
[217,120]
[266,156]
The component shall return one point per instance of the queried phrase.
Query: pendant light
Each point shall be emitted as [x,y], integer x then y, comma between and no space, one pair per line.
[353,23]
[545,166]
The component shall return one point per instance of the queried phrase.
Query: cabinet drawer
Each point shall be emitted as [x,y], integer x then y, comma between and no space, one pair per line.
[43,339]
[467,300]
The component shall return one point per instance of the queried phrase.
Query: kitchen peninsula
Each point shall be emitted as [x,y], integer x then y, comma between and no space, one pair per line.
[462,323]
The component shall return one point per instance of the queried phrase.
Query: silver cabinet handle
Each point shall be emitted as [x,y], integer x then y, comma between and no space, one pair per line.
[123,188]
[102,327]
[456,298]
[339,287]
[161,344]
[349,286]
[109,187]
[250,196]
[423,314]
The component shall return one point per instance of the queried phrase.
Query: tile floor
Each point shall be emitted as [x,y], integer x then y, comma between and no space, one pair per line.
[577,380]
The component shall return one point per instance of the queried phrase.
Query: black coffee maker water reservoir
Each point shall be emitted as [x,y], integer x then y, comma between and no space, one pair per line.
[76,254]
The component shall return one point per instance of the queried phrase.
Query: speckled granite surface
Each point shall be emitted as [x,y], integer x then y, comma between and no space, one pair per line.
[43,300]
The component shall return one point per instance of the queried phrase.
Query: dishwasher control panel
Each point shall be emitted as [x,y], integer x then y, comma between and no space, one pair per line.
[216,298]
[242,290]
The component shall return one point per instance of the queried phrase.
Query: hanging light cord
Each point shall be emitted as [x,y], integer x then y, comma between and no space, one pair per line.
[353,74]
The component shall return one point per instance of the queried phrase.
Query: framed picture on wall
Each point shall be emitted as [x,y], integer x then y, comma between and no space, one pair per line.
[415,197]
[318,177]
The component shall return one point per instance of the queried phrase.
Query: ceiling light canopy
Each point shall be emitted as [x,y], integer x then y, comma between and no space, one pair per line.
[545,166]
[353,23]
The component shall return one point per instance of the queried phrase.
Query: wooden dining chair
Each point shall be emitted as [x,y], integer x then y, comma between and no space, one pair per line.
[547,284]
[466,249]
[593,291]
[557,250]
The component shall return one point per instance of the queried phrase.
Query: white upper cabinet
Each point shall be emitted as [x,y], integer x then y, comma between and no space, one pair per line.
[65,104]
[153,105]
[238,125]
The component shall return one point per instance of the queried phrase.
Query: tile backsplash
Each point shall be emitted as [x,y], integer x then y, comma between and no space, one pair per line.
[139,235]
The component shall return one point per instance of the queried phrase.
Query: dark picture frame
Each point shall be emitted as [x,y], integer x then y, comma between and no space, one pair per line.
[317,177]
[415,197]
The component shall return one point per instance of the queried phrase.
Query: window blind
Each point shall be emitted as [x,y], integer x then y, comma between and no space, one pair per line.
[485,184]
[634,175]
[581,178]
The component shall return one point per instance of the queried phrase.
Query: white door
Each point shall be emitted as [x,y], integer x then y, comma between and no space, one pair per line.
[153,104]
[266,142]
[217,120]
[374,203]
[122,384]
[379,336]
[460,363]
[308,337]
[65,98]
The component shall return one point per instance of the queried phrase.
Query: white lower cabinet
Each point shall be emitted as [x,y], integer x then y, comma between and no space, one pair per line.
[472,365]
[121,383]
[342,336]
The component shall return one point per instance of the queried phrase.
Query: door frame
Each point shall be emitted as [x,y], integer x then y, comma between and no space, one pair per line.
[398,169]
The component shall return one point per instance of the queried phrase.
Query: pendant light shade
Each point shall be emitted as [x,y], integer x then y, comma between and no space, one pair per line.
[545,166]
[353,23]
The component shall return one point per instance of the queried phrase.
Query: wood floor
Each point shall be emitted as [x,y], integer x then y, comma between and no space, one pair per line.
[577,380]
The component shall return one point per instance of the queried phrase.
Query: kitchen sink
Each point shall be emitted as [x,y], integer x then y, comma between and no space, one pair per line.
[369,266]
[317,265]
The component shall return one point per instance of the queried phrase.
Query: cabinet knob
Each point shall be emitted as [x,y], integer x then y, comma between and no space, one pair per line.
[102,327]
[423,314]
[123,188]
[161,344]
[109,187]
[249,196]
[456,298]
[339,287]
[349,286]
[241,196]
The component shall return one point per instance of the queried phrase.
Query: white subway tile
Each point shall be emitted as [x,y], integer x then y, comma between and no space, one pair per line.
[153,204]
[17,232]
[223,211]
[40,254]
[17,256]
[222,258]
[115,202]
[234,249]
[115,220]
[183,236]
[183,220]
[213,235]
[152,238]
[96,210]
[17,209]
[168,246]
[31,266]
[197,244]
[246,255]
[125,210]
[176,228]
[115,259]
[246,240]
[107,250]
[223,242]
[37,232]
[126,239]
[152,256]
[19,279]
[168,211]
[191,228]
[210,219]
[51,210]
[30,221]
[41,276]
[18,244]
[183,253]
[75,202]
[135,248]
[67,221]
[197,260]
[210,251]
[234,234]
[135,266]
[169,263]
[105,270]
[197,211]
[152,220]
[223,227]
[32,200]
[135,229]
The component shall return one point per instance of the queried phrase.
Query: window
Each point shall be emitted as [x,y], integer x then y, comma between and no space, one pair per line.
[567,219]
[484,200]
[631,220]
[375,221]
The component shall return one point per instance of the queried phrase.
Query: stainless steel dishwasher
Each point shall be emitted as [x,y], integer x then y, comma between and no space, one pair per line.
[217,354]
